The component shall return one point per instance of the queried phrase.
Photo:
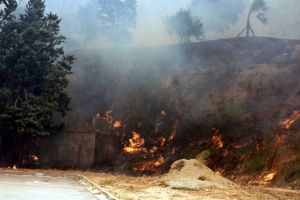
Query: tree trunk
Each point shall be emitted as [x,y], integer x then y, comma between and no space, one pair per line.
[16,151]
[248,25]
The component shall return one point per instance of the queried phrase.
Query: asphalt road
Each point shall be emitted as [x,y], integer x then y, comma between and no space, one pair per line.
[38,187]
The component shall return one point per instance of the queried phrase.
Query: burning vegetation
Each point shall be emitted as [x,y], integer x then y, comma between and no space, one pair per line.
[288,123]
[136,144]
[244,135]
[143,156]
[200,110]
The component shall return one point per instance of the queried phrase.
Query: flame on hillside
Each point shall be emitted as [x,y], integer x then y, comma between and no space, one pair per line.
[217,138]
[34,158]
[151,166]
[288,123]
[117,124]
[136,144]
[153,156]
[174,129]
[269,177]
[279,140]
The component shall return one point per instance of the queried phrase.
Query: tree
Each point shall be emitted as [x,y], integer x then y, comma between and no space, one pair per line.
[33,72]
[184,26]
[114,19]
[9,7]
[260,8]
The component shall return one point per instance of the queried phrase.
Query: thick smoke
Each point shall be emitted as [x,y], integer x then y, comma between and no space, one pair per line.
[222,19]
[218,15]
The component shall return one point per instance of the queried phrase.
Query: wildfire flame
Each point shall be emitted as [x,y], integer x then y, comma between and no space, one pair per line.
[278,141]
[163,113]
[117,124]
[174,129]
[34,158]
[159,161]
[136,144]
[108,115]
[151,166]
[286,124]
[153,156]
[217,138]
[269,177]
[162,141]
[153,150]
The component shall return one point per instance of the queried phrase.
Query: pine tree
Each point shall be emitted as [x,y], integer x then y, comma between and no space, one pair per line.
[33,72]
[9,7]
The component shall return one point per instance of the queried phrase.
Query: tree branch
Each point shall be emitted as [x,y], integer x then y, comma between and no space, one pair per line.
[252,31]
[241,32]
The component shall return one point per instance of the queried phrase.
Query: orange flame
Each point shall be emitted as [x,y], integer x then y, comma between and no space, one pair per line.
[217,140]
[153,150]
[278,141]
[269,177]
[174,129]
[162,141]
[286,124]
[117,124]
[136,144]
[151,165]
[34,158]
[159,161]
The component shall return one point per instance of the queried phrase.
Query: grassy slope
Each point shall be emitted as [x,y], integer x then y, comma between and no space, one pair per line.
[243,87]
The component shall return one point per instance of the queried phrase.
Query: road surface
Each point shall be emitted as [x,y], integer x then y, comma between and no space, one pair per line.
[38,187]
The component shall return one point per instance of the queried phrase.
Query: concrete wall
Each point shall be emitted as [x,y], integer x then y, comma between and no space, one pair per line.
[107,148]
[68,150]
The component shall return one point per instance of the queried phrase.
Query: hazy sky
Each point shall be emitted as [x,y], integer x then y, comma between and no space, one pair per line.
[284,19]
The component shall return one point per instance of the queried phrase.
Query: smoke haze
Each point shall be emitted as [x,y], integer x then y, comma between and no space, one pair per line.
[221,18]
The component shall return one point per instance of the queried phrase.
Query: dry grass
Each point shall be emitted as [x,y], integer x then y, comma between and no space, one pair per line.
[152,188]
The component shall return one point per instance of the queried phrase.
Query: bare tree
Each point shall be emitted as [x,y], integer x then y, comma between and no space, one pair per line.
[258,7]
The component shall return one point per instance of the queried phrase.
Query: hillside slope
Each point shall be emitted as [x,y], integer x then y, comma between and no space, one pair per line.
[249,90]
[237,98]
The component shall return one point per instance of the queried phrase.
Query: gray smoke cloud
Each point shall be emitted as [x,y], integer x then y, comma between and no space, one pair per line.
[222,19]
[218,15]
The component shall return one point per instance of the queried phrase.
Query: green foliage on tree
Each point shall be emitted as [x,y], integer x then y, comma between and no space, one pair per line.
[33,71]
[114,19]
[258,7]
[184,26]
[9,7]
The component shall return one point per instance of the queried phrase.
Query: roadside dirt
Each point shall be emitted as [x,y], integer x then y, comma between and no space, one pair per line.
[154,188]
